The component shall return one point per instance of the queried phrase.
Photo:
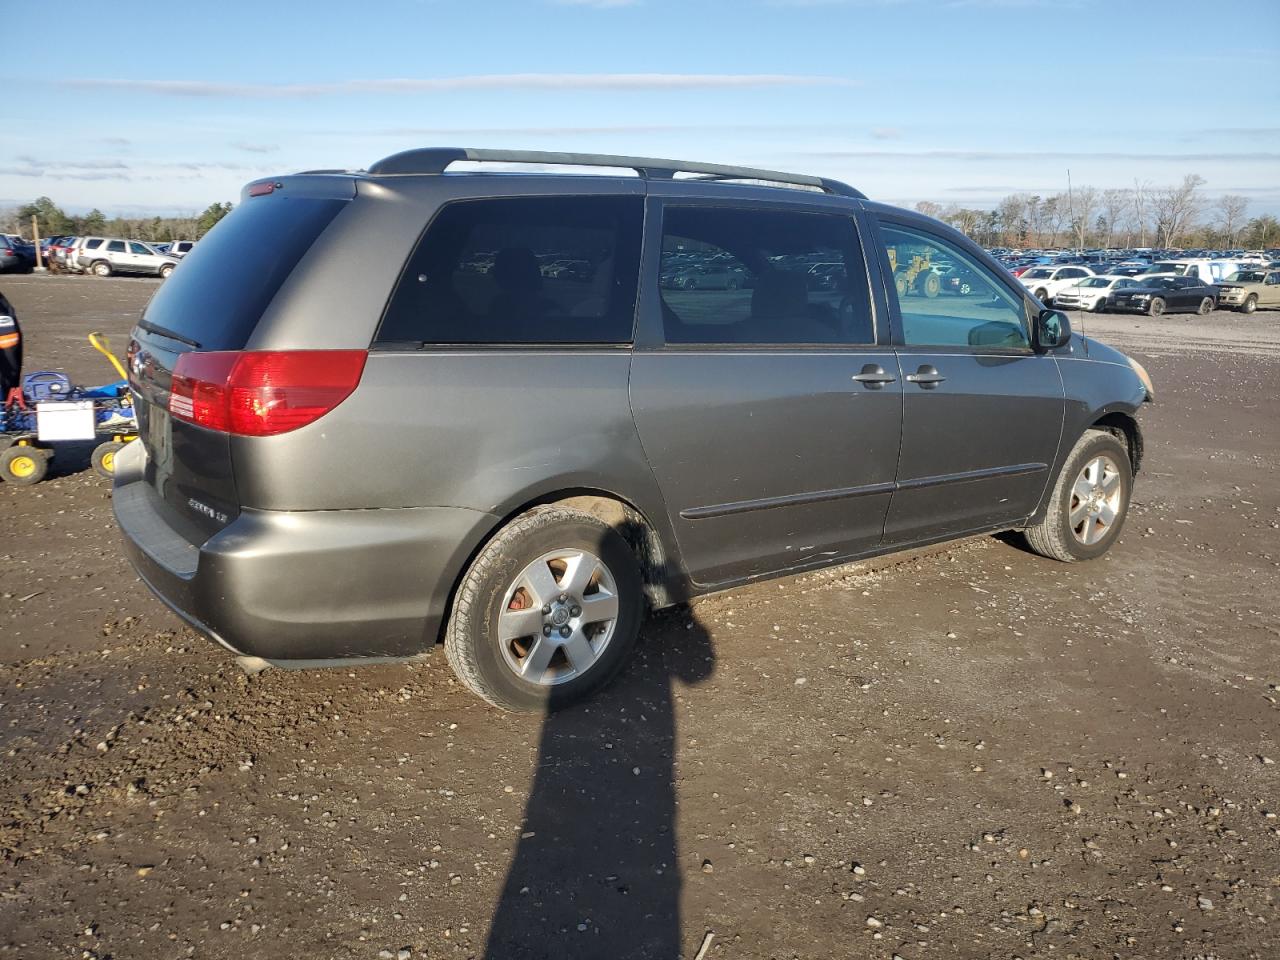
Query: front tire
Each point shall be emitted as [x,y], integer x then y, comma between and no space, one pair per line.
[1043,296]
[165,271]
[1206,307]
[1156,308]
[547,613]
[1250,303]
[1089,501]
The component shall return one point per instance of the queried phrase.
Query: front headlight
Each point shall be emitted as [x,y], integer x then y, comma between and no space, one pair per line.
[1145,377]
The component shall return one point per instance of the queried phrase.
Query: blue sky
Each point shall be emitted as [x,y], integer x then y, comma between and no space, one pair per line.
[957,101]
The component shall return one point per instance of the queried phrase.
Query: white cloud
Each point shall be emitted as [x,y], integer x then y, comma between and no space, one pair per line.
[255,147]
[508,81]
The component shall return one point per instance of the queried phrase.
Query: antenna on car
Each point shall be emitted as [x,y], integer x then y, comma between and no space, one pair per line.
[1071,212]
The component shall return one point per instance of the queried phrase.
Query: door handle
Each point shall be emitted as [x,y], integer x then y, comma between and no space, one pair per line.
[927,376]
[873,376]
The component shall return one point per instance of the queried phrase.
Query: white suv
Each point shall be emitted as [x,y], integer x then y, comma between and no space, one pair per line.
[1045,282]
[103,256]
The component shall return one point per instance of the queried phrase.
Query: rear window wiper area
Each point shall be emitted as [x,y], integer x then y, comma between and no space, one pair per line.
[165,332]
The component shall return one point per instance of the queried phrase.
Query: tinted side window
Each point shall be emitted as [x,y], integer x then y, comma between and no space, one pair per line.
[526,270]
[761,276]
[934,312]
[116,246]
[138,248]
[227,282]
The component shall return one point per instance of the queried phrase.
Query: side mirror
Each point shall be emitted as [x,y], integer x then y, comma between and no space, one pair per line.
[1052,330]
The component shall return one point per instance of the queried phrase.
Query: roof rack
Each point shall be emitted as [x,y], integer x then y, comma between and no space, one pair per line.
[436,160]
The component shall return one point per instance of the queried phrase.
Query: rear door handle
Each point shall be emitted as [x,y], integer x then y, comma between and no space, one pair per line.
[927,376]
[873,376]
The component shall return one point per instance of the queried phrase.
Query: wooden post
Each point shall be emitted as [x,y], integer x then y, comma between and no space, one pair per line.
[35,238]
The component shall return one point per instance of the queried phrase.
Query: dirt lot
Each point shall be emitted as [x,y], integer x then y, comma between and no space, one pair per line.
[974,753]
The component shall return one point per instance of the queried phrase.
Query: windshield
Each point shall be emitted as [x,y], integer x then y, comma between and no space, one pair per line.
[1246,276]
[1166,267]
[1163,283]
[1095,282]
[1040,273]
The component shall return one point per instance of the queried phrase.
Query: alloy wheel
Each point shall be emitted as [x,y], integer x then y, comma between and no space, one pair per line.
[1095,500]
[558,616]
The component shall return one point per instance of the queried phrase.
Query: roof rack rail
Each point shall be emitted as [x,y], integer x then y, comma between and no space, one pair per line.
[436,160]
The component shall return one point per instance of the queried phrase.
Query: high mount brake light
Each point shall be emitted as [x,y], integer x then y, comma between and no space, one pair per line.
[261,393]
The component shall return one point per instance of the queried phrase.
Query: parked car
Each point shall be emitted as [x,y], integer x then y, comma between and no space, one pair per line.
[541,460]
[179,248]
[83,248]
[59,250]
[15,258]
[712,276]
[1092,293]
[113,255]
[1045,282]
[1246,290]
[1155,295]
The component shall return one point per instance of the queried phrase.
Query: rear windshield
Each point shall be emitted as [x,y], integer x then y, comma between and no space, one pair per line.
[229,277]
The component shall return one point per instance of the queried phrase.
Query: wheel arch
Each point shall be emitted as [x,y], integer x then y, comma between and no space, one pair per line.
[655,550]
[1124,426]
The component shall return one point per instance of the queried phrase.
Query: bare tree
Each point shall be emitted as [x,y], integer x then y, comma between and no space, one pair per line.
[1012,214]
[1231,210]
[963,219]
[1083,203]
[1177,207]
[1141,198]
[1054,213]
[929,208]
[1114,203]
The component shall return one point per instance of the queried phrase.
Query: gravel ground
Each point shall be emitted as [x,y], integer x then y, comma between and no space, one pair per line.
[969,752]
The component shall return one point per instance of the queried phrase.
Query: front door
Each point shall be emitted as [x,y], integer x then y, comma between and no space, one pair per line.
[769,413]
[982,413]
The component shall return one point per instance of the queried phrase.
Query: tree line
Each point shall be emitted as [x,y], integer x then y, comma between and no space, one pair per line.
[54,221]
[1139,216]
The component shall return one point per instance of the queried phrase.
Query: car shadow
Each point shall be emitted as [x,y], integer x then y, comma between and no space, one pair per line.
[596,872]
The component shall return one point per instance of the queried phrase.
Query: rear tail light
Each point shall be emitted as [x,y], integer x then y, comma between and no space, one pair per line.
[262,393]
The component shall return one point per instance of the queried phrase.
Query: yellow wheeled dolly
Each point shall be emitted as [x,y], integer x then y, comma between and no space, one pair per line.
[104,454]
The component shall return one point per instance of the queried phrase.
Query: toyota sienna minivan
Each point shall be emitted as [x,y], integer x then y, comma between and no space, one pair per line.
[376,413]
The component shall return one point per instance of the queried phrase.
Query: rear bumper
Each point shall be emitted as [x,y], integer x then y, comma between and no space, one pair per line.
[303,585]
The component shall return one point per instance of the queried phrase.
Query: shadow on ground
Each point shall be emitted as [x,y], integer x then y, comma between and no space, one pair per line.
[596,872]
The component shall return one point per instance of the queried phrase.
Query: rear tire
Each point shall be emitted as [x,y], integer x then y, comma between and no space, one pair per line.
[1250,304]
[24,465]
[1090,535]
[501,582]
[101,269]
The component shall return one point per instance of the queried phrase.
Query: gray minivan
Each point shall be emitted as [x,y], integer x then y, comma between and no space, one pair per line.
[374,417]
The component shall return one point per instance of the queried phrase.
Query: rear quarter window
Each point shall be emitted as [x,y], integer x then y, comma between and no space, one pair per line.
[529,270]
[229,278]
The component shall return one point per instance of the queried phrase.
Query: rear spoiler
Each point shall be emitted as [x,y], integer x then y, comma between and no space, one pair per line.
[319,184]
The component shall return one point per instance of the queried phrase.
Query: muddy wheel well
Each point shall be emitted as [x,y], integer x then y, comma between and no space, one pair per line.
[1126,430]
